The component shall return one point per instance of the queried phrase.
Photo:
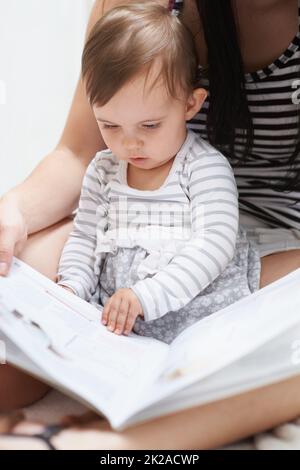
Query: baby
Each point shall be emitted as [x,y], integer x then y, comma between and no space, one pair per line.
[156,240]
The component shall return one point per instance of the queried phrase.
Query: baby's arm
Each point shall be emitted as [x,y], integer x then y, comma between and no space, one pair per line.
[76,266]
[214,206]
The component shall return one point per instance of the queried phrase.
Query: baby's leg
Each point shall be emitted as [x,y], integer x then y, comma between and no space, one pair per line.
[42,252]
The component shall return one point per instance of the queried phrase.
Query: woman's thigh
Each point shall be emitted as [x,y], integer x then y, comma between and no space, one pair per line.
[42,252]
[204,427]
[43,249]
[277,265]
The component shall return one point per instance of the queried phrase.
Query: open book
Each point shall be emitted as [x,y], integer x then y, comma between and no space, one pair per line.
[59,338]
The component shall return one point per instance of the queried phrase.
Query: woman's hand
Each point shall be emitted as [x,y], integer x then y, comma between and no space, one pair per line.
[121,310]
[13,232]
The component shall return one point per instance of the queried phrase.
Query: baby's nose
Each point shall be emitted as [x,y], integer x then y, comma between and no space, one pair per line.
[132,143]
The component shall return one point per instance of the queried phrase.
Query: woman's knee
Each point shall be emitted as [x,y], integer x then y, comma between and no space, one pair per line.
[43,249]
[278,265]
[18,389]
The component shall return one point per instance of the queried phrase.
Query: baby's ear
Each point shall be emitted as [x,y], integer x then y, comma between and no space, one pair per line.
[195,102]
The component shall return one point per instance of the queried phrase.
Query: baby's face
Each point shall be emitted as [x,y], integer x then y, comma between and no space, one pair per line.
[150,125]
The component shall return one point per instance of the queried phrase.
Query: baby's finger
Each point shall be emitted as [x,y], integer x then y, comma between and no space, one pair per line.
[122,316]
[105,311]
[131,317]
[113,313]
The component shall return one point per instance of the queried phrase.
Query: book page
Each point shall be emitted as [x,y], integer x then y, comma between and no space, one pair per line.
[273,362]
[225,337]
[64,335]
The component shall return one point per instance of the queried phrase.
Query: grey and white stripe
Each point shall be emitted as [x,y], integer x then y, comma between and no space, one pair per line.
[199,196]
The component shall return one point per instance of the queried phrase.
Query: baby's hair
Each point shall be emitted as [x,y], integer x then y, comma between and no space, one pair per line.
[127,40]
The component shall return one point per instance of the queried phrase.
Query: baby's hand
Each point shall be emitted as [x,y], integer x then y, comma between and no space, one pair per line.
[67,288]
[121,311]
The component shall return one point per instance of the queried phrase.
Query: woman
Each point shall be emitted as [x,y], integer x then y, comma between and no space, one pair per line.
[259,134]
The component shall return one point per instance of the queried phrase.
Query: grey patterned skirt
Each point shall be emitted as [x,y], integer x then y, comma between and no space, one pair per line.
[239,279]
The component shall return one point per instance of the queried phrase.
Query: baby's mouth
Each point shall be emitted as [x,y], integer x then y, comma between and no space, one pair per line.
[137,159]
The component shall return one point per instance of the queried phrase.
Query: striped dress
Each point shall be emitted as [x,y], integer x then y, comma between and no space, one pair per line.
[187,228]
[275,117]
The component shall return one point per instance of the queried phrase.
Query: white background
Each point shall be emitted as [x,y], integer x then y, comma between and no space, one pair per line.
[41,43]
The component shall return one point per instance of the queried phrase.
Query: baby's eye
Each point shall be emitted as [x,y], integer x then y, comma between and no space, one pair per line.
[146,126]
[109,126]
[152,126]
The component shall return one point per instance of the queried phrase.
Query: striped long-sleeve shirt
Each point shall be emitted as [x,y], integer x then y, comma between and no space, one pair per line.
[192,219]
